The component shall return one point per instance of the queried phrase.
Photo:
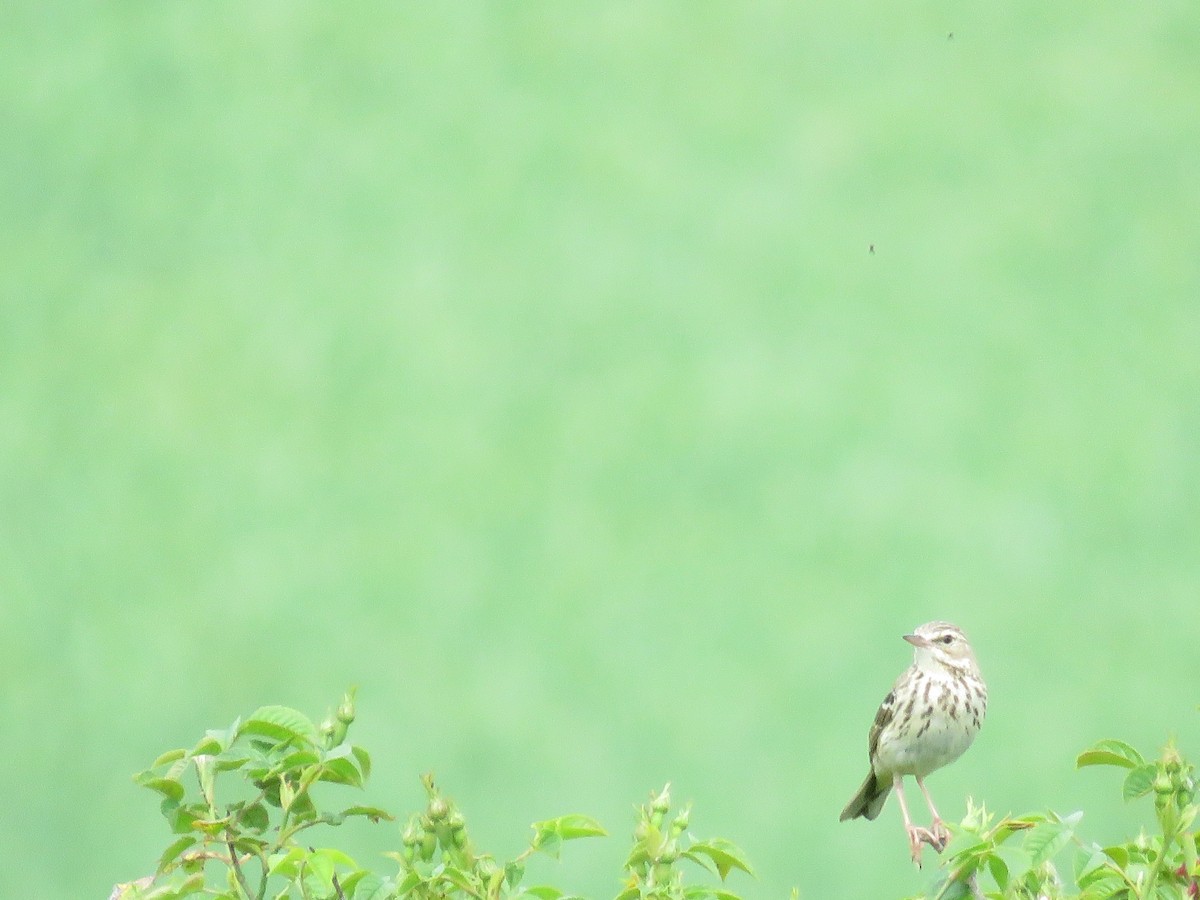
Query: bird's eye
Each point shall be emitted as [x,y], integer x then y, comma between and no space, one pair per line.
[947,639]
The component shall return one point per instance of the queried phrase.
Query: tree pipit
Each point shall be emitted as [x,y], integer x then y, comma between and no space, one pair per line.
[926,721]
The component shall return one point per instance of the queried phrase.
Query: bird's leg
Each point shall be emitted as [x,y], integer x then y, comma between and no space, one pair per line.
[941,833]
[916,834]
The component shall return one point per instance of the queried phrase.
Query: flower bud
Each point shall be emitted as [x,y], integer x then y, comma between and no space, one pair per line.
[662,802]
[680,824]
[660,805]
[345,712]
[486,867]
[669,852]
[428,845]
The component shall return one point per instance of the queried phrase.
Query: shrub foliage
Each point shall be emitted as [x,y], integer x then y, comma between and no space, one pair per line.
[243,801]
[243,804]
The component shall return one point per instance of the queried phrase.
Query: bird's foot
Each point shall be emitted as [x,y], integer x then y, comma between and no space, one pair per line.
[918,836]
[941,835]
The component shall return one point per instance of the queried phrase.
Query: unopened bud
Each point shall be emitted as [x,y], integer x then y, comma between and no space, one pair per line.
[428,845]
[662,802]
[345,712]
[669,853]
[486,866]
[680,824]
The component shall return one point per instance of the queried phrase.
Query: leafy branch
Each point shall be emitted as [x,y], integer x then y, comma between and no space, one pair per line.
[241,798]
[1161,865]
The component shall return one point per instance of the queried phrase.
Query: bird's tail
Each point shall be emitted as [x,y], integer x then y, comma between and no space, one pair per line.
[869,799]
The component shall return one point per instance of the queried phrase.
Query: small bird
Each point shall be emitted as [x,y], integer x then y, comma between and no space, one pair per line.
[927,720]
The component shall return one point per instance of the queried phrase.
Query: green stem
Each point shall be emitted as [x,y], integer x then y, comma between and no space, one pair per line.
[237,869]
[1147,891]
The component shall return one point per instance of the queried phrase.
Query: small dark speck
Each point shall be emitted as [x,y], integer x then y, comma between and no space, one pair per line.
[871,249]
[950,36]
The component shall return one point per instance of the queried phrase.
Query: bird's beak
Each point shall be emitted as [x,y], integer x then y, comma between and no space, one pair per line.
[917,641]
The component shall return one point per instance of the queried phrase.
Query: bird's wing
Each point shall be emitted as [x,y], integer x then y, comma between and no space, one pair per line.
[882,718]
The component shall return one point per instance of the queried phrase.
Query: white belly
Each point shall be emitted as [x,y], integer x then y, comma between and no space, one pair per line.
[918,745]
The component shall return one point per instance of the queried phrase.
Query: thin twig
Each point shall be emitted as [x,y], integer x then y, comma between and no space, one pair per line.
[237,867]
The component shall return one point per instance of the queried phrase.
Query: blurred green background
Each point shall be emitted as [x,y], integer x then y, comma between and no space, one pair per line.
[527,365]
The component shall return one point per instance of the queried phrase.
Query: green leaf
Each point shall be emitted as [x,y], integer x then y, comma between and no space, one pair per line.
[364,761]
[1187,816]
[1139,781]
[724,854]
[211,827]
[169,757]
[1104,888]
[368,887]
[410,881]
[210,745]
[174,850]
[193,884]
[1118,854]
[1110,753]
[571,827]
[341,771]
[168,787]
[968,846]
[303,809]
[321,867]
[182,819]
[1044,842]
[295,760]
[251,846]
[999,870]
[513,873]
[229,763]
[374,813]
[707,892]
[281,723]
[1072,820]
[460,880]
[206,773]
[542,892]
[286,864]
[335,857]
[549,835]
[548,842]
[1010,826]
[255,818]
[705,862]
[1089,861]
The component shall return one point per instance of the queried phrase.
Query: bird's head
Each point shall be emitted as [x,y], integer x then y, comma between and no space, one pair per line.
[942,645]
